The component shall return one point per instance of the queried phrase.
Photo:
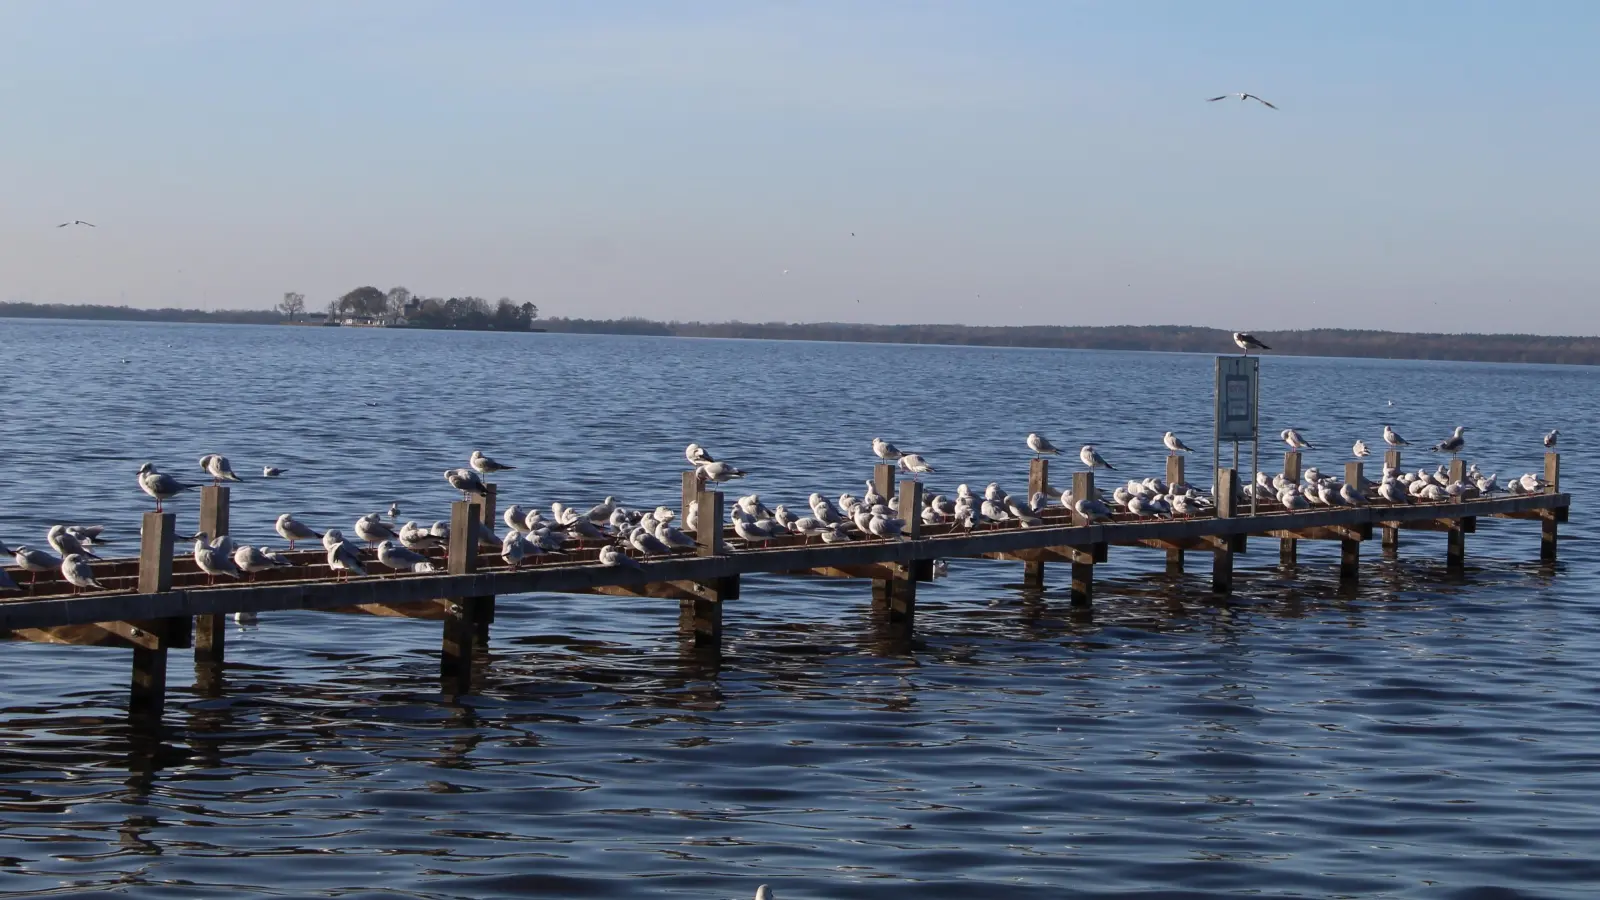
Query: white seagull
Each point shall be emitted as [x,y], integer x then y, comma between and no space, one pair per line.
[915,464]
[1360,450]
[291,529]
[483,465]
[1247,341]
[1551,438]
[1393,439]
[1175,445]
[1294,440]
[271,471]
[885,450]
[1041,446]
[79,573]
[1092,458]
[218,467]
[1242,97]
[159,485]
[697,455]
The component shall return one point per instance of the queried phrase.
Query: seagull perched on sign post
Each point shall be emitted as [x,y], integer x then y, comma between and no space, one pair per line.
[1246,340]
[1242,98]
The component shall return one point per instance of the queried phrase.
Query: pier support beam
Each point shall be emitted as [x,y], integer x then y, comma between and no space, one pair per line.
[1174,476]
[1288,547]
[1038,483]
[1456,538]
[1391,533]
[1349,548]
[1222,557]
[461,624]
[483,615]
[211,631]
[700,615]
[1083,561]
[148,693]
[1549,523]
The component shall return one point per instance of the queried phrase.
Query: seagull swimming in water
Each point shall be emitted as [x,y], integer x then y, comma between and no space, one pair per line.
[1247,341]
[1242,97]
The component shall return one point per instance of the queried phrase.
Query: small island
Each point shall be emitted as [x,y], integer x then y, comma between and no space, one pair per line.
[369,307]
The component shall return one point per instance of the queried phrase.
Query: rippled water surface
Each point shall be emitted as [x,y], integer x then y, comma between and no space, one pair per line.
[1419,736]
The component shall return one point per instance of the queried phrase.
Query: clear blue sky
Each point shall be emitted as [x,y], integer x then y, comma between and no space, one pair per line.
[1432,166]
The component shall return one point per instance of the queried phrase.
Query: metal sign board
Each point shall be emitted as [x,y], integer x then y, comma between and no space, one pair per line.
[1237,383]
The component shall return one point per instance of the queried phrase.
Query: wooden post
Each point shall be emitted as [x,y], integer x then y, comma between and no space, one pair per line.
[895,600]
[1287,547]
[460,624]
[1222,557]
[700,614]
[708,537]
[883,480]
[1174,476]
[691,494]
[148,696]
[1549,524]
[1082,487]
[1391,533]
[1038,483]
[911,508]
[483,612]
[1350,549]
[1082,577]
[211,631]
[1456,537]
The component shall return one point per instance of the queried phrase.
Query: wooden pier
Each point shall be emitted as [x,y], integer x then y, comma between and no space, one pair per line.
[157,602]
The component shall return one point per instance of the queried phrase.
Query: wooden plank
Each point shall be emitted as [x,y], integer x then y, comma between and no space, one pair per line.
[211,631]
[433,610]
[1227,494]
[1082,488]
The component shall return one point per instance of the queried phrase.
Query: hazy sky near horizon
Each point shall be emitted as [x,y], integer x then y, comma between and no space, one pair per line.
[1432,165]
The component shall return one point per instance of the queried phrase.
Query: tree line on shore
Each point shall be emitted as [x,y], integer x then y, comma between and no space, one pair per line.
[476,313]
[399,306]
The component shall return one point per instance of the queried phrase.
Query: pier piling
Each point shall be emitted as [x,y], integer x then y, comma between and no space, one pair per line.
[483,615]
[1038,482]
[1222,557]
[1174,476]
[211,631]
[1083,559]
[1456,538]
[148,694]
[1287,547]
[1391,533]
[1550,520]
[460,624]
[1349,546]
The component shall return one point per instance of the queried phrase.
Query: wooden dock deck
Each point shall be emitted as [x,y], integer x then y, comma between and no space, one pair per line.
[158,602]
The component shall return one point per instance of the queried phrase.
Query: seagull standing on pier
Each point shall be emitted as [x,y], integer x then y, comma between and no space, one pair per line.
[79,573]
[218,467]
[915,464]
[35,561]
[1392,439]
[1247,341]
[697,455]
[1452,444]
[159,485]
[1092,458]
[1294,440]
[1175,445]
[291,529]
[718,472]
[467,482]
[1551,438]
[214,557]
[1360,450]
[885,451]
[66,543]
[1242,97]
[1041,446]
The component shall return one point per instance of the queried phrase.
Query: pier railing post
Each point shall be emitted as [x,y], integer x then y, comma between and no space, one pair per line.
[1456,537]
[883,480]
[1549,523]
[708,537]
[1083,559]
[211,631]
[1222,556]
[148,694]
[483,615]
[1038,483]
[460,624]
[700,612]
[1391,533]
[1350,548]
[1287,547]
[1082,488]
[1175,475]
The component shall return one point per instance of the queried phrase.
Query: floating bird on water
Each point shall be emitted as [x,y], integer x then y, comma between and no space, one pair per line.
[1393,439]
[394,510]
[1246,341]
[1175,445]
[79,573]
[1092,458]
[1452,444]
[1551,438]
[159,485]
[1242,97]
[484,465]
[271,471]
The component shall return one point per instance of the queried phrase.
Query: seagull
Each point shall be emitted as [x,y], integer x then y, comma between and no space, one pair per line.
[370,528]
[271,471]
[218,467]
[611,556]
[66,543]
[1360,450]
[344,559]
[1393,439]
[466,481]
[718,472]
[159,485]
[79,573]
[35,561]
[6,584]
[1246,341]
[253,560]
[394,510]
[291,530]
[1452,444]
[1175,445]
[1041,446]
[1551,438]
[885,450]
[483,465]
[1093,459]
[915,464]
[697,455]
[213,557]
[77,222]
[1242,97]
[1294,440]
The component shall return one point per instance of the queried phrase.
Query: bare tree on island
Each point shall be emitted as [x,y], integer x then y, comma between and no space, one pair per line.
[293,305]
[397,300]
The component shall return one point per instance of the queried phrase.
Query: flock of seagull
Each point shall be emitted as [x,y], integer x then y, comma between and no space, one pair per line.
[624,534]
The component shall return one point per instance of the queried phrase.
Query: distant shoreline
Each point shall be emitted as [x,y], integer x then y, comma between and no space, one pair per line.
[1340,342]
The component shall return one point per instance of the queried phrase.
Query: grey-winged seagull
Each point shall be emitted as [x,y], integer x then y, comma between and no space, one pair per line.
[1242,97]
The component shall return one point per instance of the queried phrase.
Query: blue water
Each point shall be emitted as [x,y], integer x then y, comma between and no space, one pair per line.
[1422,735]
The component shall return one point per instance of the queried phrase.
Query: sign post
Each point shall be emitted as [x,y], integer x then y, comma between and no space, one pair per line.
[1238,407]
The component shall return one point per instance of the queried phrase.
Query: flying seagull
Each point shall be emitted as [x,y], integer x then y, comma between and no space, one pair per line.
[1242,98]
[1246,341]
[76,222]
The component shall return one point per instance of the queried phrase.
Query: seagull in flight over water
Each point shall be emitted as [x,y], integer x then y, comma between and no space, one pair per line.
[1242,97]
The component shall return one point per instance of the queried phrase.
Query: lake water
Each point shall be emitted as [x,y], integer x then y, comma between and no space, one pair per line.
[1420,737]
